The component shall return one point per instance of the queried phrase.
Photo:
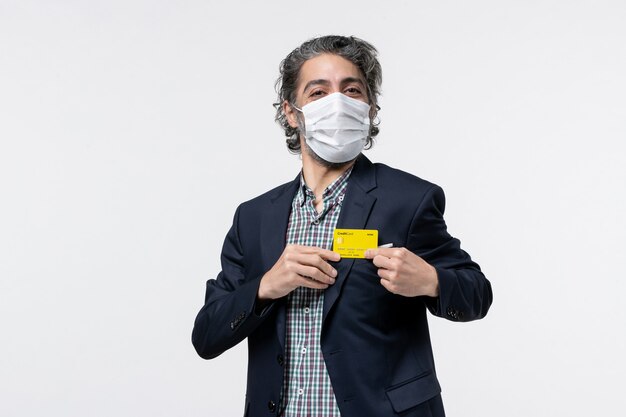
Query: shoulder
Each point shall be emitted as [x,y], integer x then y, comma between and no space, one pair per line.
[265,200]
[395,180]
[397,187]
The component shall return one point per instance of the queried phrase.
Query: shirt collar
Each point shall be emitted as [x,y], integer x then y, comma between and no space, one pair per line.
[331,193]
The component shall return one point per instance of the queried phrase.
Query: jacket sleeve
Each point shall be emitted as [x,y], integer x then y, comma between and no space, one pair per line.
[230,312]
[464,292]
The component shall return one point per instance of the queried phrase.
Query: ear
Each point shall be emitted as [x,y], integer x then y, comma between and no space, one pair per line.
[290,113]
[374,108]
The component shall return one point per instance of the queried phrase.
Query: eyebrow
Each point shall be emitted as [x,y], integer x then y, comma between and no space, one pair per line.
[347,80]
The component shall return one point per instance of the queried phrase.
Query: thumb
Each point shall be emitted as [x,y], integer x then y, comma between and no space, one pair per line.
[371,253]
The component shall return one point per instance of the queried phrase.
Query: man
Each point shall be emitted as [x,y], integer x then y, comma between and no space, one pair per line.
[331,336]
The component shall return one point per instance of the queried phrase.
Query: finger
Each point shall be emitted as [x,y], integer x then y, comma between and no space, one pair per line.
[383,262]
[329,255]
[326,254]
[314,273]
[319,263]
[385,274]
[371,253]
[391,277]
[388,286]
[311,283]
[315,250]
[388,252]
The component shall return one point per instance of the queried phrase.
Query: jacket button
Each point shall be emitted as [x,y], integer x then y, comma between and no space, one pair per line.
[271,406]
[280,359]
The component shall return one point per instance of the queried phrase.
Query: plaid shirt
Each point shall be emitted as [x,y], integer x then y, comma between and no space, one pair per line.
[307,390]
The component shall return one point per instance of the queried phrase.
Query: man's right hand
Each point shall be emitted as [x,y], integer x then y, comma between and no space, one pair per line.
[298,266]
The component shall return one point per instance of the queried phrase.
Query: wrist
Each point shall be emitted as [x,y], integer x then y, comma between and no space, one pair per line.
[261,294]
[434,286]
[264,293]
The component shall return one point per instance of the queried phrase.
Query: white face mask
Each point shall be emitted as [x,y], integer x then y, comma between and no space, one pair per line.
[336,127]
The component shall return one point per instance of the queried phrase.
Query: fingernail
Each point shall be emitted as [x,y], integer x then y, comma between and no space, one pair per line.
[368,253]
[334,272]
[332,281]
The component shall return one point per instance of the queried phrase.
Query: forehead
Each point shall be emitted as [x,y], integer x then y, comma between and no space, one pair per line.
[328,67]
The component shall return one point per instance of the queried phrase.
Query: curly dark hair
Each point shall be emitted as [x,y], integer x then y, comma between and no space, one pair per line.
[359,52]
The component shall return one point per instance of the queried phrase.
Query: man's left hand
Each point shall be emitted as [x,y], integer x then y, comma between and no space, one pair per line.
[403,272]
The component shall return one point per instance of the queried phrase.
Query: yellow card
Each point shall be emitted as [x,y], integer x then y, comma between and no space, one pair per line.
[352,243]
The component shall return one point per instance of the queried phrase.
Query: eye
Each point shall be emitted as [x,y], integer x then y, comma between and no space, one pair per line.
[352,91]
[316,93]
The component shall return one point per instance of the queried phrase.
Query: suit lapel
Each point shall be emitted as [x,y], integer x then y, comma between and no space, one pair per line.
[355,211]
[273,234]
[274,225]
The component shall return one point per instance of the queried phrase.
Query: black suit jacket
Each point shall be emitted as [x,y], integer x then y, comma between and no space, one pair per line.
[376,345]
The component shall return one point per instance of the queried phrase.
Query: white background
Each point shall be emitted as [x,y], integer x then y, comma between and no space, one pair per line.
[131,130]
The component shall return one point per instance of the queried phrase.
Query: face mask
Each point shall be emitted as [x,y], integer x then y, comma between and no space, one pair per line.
[336,127]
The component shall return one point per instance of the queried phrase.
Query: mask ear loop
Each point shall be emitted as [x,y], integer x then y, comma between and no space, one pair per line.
[300,125]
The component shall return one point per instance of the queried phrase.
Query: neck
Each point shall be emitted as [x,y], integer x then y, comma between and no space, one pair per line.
[318,176]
